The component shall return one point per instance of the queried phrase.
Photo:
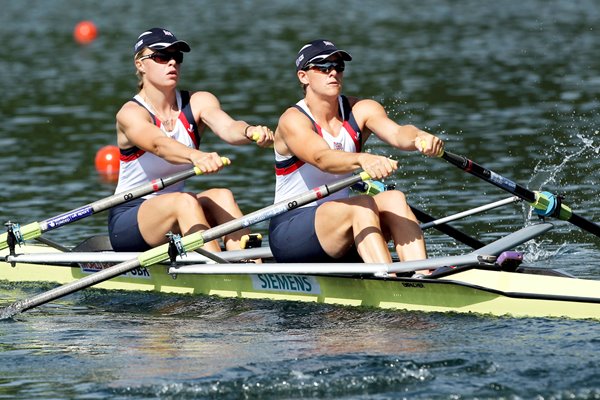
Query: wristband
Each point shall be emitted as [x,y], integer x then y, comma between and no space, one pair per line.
[246,131]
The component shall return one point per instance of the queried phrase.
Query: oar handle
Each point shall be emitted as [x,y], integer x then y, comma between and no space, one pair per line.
[424,144]
[256,136]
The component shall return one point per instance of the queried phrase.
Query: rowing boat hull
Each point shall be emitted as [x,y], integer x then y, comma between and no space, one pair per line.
[470,291]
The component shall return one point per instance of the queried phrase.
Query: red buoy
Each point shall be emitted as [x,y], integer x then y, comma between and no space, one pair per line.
[107,162]
[85,32]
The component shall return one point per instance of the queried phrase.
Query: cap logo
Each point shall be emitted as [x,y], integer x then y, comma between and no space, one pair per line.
[166,32]
[299,59]
[328,43]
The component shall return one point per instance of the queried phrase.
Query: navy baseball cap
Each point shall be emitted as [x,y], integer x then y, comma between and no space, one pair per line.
[159,39]
[318,50]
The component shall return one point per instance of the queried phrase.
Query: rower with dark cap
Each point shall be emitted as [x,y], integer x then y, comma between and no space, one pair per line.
[158,133]
[319,140]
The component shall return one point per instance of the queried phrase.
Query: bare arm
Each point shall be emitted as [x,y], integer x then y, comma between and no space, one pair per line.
[403,137]
[208,109]
[135,128]
[295,135]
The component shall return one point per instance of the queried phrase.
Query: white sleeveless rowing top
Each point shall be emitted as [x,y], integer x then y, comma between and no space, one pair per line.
[293,176]
[138,167]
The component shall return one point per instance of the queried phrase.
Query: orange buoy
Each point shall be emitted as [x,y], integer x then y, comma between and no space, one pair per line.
[85,32]
[107,162]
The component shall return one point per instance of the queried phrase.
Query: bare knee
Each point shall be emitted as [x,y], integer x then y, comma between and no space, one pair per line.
[367,202]
[365,208]
[219,205]
[391,199]
[220,196]
[341,216]
[185,201]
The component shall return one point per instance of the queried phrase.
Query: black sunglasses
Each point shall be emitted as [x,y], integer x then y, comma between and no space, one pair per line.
[326,68]
[163,58]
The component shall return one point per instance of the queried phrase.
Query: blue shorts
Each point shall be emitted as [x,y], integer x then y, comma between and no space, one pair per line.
[292,238]
[123,229]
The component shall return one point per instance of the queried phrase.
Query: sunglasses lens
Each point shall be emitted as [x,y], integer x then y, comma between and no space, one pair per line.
[327,67]
[163,58]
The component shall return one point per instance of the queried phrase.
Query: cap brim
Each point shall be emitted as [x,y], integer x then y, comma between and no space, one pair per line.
[345,56]
[180,44]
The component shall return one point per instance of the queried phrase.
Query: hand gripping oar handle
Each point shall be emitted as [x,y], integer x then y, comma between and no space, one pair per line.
[36,229]
[542,201]
[189,242]
[256,136]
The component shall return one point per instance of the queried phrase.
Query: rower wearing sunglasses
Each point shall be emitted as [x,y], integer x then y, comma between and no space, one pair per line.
[319,140]
[158,133]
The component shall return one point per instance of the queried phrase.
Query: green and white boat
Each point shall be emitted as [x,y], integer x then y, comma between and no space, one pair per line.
[480,284]
[487,280]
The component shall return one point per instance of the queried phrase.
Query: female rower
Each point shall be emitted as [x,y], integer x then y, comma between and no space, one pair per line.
[319,140]
[158,134]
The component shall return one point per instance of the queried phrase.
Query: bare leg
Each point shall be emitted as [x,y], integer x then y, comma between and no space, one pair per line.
[400,224]
[220,207]
[175,212]
[341,223]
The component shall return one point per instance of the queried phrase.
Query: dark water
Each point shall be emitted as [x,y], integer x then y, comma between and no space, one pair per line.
[511,84]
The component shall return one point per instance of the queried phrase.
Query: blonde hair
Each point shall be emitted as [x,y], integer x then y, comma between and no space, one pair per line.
[140,84]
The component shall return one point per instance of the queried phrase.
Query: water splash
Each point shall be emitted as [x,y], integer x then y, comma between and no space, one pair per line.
[546,173]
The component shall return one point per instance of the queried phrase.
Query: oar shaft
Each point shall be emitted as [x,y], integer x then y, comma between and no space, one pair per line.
[441,224]
[189,242]
[117,199]
[447,229]
[490,176]
[36,229]
[470,212]
[63,290]
[283,206]
[585,224]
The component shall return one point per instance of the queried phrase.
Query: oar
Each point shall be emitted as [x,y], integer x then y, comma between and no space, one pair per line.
[36,229]
[441,224]
[472,211]
[545,204]
[429,221]
[189,243]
